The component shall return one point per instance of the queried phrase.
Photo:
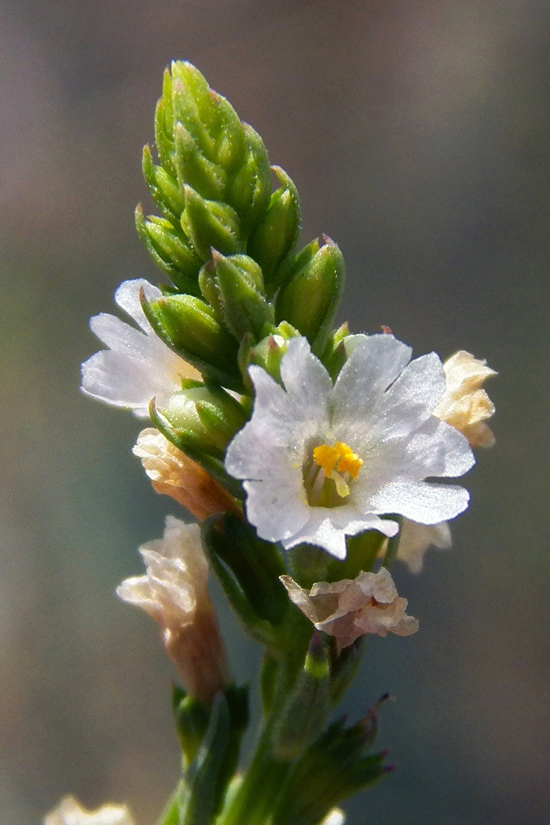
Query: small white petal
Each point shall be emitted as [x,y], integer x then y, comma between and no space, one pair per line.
[374,364]
[421,501]
[305,378]
[127,298]
[138,366]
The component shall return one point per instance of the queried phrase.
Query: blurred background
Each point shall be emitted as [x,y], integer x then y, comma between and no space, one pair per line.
[418,134]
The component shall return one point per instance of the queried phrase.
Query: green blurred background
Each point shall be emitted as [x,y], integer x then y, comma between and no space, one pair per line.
[418,134]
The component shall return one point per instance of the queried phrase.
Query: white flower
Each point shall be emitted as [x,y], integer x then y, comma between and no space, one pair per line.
[415,539]
[174,474]
[322,461]
[70,812]
[138,366]
[465,405]
[174,593]
[353,607]
[335,817]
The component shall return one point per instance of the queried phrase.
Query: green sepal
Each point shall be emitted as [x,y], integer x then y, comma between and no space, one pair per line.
[204,417]
[164,127]
[214,466]
[274,239]
[306,709]
[191,104]
[191,717]
[193,168]
[243,304]
[311,295]
[256,565]
[230,143]
[188,326]
[362,552]
[168,249]
[210,224]
[334,357]
[249,191]
[164,190]
[343,668]
[251,612]
[206,779]
[334,767]
[210,289]
[268,352]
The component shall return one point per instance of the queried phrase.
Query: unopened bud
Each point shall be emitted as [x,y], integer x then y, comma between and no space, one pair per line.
[243,302]
[193,168]
[170,251]
[188,325]
[165,191]
[276,235]
[249,191]
[210,224]
[312,293]
[204,418]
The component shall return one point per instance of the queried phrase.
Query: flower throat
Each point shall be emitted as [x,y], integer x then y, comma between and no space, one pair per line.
[327,476]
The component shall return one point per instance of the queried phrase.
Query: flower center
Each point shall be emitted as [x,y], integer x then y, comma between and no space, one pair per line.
[328,475]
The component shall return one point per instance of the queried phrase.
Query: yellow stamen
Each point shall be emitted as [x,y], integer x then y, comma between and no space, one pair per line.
[350,461]
[340,456]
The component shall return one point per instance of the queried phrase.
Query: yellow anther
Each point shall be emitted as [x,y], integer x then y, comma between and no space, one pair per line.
[340,457]
[326,457]
[349,461]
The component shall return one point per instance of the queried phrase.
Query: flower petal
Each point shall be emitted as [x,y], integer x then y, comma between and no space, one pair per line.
[127,298]
[421,501]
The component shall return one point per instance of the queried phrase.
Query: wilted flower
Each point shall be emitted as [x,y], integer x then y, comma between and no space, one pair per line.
[70,812]
[415,539]
[322,461]
[138,366]
[350,608]
[174,593]
[464,405]
[174,474]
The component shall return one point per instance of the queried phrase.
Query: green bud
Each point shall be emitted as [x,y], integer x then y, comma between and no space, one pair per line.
[208,118]
[249,191]
[210,290]
[311,295]
[164,126]
[230,141]
[193,168]
[243,303]
[192,105]
[189,326]
[168,248]
[204,418]
[166,193]
[275,237]
[306,710]
[210,224]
